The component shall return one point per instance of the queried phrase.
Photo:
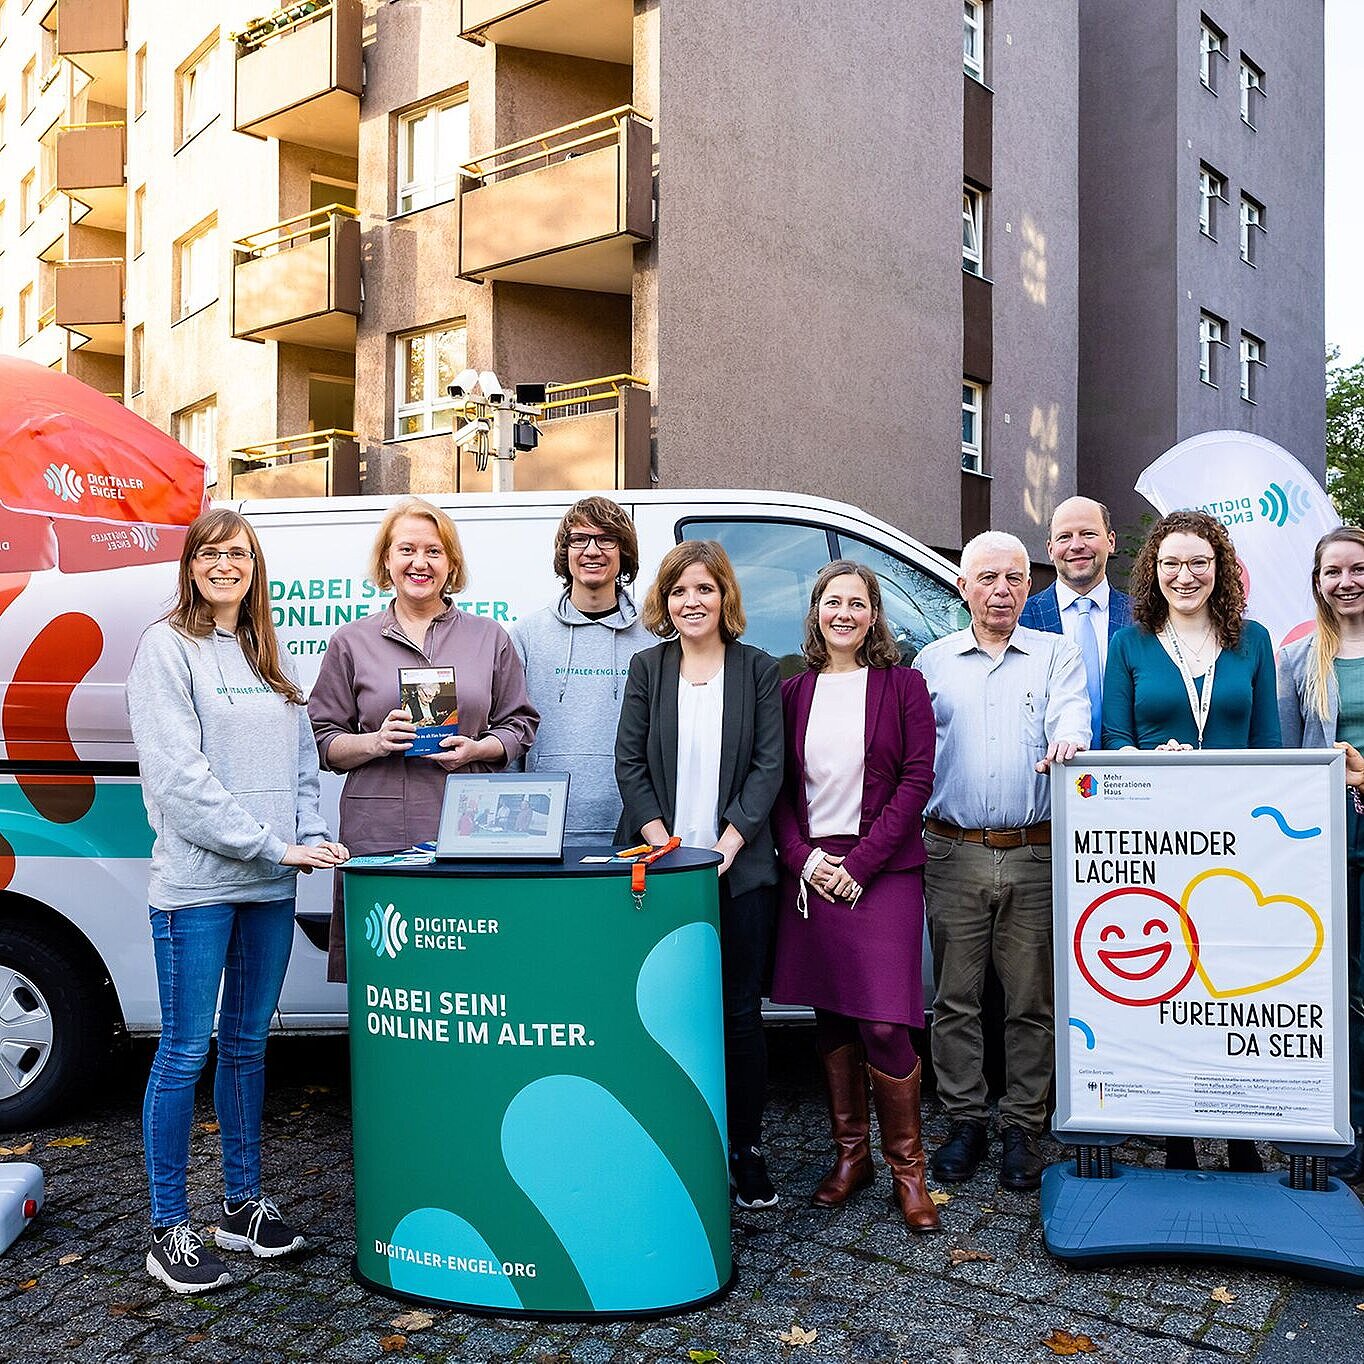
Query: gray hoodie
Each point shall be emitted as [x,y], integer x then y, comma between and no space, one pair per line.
[575,674]
[229,771]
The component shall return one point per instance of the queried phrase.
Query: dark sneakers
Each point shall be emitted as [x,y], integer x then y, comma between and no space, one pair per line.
[258,1227]
[1021,1165]
[181,1261]
[749,1179]
[958,1158]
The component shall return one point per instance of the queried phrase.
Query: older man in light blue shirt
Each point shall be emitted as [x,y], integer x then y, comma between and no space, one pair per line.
[1009,702]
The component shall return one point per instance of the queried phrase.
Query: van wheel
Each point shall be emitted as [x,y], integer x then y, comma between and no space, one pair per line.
[54,1026]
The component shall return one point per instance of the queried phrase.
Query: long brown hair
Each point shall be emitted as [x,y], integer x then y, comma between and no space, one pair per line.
[1326,643]
[710,554]
[1227,603]
[878,649]
[193,616]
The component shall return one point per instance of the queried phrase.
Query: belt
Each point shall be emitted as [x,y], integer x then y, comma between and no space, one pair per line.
[1034,835]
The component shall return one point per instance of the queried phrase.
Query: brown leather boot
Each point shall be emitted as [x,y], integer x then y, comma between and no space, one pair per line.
[845,1075]
[897,1106]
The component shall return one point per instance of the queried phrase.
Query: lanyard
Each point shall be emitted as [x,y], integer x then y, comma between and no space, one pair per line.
[1199,703]
[637,871]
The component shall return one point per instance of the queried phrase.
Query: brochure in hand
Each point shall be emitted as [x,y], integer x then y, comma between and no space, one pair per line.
[429,695]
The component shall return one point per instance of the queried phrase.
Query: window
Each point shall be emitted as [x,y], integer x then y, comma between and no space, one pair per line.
[2,227]
[135,361]
[139,217]
[1212,53]
[1212,190]
[28,89]
[1252,91]
[973,39]
[140,81]
[50,62]
[972,432]
[196,428]
[196,92]
[3,107]
[28,317]
[1252,229]
[1211,330]
[196,264]
[28,200]
[1252,362]
[426,364]
[972,223]
[432,145]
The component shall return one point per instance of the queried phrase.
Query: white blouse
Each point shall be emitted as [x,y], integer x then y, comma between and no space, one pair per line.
[700,715]
[835,753]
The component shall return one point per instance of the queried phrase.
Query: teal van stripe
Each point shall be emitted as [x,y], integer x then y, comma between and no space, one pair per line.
[116,825]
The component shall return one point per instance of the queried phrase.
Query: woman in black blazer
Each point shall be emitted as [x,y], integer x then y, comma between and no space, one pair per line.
[699,754]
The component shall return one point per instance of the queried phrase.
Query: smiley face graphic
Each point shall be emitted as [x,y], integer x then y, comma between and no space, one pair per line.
[1130,945]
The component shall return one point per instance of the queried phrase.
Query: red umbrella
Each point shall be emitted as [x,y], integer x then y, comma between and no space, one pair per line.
[85,484]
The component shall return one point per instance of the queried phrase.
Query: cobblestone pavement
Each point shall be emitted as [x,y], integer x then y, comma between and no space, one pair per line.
[73,1287]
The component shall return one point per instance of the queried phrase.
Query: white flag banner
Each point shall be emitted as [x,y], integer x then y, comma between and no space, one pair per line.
[1274,510]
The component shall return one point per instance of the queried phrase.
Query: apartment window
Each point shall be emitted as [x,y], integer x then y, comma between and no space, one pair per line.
[1252,91]
[1212,190]
[196,264]
[28,200]
[196,92]
[196,428]
[139,216]
[972,225]
[433,143]
[28,317]
[1212,53]
[1252,362]
[426,363]
[28,89]
[1252,229]
[1211,331]
[135,361]
[140,81]
[3,107]
[973,39]
[972,427]
[2,227]
[50,63]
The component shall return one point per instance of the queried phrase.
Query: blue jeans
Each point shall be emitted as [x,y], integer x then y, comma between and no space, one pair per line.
[246,948]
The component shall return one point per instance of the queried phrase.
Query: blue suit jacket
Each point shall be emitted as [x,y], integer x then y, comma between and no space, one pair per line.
[1041,611]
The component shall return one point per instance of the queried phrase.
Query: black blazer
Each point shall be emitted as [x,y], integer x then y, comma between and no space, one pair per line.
[751,753]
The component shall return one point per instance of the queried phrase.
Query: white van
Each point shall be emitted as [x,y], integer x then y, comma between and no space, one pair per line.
[75,953]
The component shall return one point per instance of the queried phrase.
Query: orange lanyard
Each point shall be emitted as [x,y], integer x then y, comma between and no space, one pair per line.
[641,863]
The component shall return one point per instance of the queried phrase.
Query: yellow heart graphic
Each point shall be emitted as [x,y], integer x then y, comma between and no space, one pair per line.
[1260,902]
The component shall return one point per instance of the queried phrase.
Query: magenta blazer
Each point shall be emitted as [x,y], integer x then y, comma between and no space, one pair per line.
[901,737]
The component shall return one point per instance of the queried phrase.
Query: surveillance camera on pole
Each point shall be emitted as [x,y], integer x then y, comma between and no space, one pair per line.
[498,427]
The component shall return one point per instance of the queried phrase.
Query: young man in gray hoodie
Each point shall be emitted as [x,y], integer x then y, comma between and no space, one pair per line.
[577,653]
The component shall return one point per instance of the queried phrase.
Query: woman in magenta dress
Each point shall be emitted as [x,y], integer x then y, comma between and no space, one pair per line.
[848,826]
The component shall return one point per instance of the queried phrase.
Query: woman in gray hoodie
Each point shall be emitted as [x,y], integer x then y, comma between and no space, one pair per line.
[229,779]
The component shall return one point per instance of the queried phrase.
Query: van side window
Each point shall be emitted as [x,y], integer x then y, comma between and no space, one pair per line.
[776,563]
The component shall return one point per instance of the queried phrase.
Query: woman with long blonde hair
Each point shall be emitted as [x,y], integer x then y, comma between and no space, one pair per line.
[1321,704]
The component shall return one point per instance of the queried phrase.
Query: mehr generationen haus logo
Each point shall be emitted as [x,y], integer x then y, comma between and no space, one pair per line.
[1086,785]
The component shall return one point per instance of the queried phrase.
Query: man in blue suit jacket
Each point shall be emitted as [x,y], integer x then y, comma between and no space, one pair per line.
[1081,604]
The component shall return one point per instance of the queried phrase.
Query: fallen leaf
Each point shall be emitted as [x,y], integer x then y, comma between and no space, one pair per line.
[959,1256]
[1359,1307]
[413,1321]
[195,1338]
[985,1207]
[316,1089]
[703,1357]
[940,1198]
[27,1284]
[1063,1343]
[313,1170]
[797,1337]
[392,1344]
[120,1309]
[70,1141]
[208,1127]
[1220,1294]
[70,1259]
[298,1113]
[16,1150]
[799,1273]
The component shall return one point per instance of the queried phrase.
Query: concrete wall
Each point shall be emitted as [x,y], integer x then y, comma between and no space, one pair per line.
[809,269]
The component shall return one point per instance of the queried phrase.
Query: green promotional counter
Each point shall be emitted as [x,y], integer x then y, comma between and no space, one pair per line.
[538,1088]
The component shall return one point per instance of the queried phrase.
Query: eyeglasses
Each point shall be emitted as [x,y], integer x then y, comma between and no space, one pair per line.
[209,557]
[605,543]
[1199,565]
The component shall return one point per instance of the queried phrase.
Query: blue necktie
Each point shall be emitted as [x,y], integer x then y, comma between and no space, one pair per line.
[1089,651]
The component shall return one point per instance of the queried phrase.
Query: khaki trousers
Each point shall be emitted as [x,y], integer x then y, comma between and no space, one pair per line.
[991,904]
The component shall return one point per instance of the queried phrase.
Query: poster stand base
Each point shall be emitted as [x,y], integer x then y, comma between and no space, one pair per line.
[1256,1219]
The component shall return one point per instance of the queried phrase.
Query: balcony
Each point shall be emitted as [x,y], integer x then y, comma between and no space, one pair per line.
[564,209]
[314,464]
[299,281]
[90,302]
[600,29]
[594,435]
[91,159]
[93,34]
[299,75]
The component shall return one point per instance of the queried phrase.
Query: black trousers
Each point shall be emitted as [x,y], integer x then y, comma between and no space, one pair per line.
[745,942]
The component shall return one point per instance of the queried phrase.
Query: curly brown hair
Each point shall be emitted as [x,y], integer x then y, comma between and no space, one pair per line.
[1226,605]
[878,649]
[613,519]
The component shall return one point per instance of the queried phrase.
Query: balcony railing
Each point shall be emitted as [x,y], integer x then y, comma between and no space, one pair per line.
[299,73]
[299,281]
[564,208]
[313,464]
[91,160]
[600,29]
[90,302]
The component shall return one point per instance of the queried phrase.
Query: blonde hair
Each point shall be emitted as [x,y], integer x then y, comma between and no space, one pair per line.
[711,556]
[445,530]
[1326,641]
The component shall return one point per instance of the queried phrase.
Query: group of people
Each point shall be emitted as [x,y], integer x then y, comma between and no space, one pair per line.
[848,804]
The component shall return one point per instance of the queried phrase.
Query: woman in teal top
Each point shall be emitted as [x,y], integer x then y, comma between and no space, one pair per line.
[1321,703]
[1191,673]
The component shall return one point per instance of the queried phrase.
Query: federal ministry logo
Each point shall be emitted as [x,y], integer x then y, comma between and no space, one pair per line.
[386,931]
[64,482]
[1087,786]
